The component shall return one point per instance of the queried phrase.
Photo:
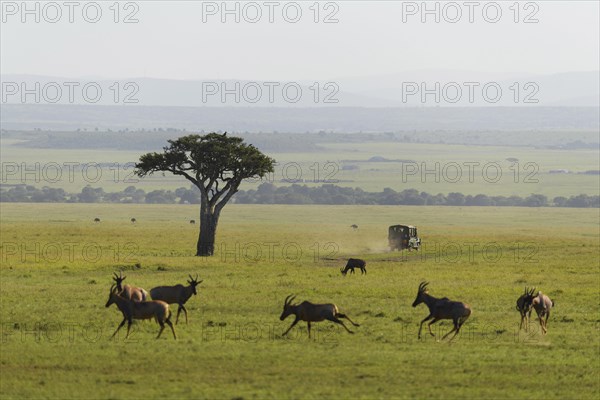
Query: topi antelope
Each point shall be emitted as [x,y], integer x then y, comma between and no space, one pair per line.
[159,310]
[354,263]
[128,291]
[441,309]
[542,305]
[96,219]
[310,312]
[133,220]
[177,294]
[524,306]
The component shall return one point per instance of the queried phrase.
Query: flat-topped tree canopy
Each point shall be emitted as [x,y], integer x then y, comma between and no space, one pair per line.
[216,164]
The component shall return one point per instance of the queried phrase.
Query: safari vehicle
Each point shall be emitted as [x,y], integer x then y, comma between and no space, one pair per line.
[402,237]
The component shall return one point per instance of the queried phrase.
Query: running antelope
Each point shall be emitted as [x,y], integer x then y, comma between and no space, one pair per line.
[159,310]
[177,294]
[354,263]
[310,312]
[128,291]
[524,306]
[542,305]
[441,309]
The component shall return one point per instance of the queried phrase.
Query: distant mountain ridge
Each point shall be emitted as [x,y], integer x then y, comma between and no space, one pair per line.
[432,88]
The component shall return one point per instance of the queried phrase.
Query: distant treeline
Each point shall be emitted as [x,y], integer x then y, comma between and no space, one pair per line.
[267,193]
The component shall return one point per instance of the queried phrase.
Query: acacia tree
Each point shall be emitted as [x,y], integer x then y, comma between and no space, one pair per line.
[216,164]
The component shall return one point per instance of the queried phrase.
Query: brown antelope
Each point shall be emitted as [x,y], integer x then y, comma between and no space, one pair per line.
[354,263]
[441,309]
[177,294]
[310,312]
[524,306]
[133,220]
[542,305]
[128,291]
[159,310]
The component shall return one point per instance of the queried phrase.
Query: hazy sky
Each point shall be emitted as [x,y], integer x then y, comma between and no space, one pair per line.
[188,40]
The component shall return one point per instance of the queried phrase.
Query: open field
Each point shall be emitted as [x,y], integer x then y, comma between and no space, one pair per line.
[57,263]
[433,168]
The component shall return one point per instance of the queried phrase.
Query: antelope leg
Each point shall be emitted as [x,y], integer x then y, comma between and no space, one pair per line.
[162,327]
[522,320]
[185,312]
[178,312]
[308,329]
[453,336]
[119,327]
[337,321]
[128,328]
[339,315]
[544,326]
[453,330]
[422,322]
[172,329]
[291,326]
[429,325]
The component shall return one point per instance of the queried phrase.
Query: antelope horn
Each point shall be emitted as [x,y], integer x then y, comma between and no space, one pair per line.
[289,299]
[423,285]
[113,288]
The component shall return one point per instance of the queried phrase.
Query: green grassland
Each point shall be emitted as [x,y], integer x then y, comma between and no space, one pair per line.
[56,272]
[440,168]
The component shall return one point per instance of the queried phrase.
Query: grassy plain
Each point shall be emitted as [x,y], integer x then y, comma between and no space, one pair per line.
[434,168]
[57,263]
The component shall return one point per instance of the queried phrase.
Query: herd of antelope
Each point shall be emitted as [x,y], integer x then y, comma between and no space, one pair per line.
[135,303]
[540,302]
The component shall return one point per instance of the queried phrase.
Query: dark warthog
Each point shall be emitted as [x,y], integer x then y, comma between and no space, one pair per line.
[354,263]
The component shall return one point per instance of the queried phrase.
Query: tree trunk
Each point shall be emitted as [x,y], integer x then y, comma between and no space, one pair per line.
[208,231]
